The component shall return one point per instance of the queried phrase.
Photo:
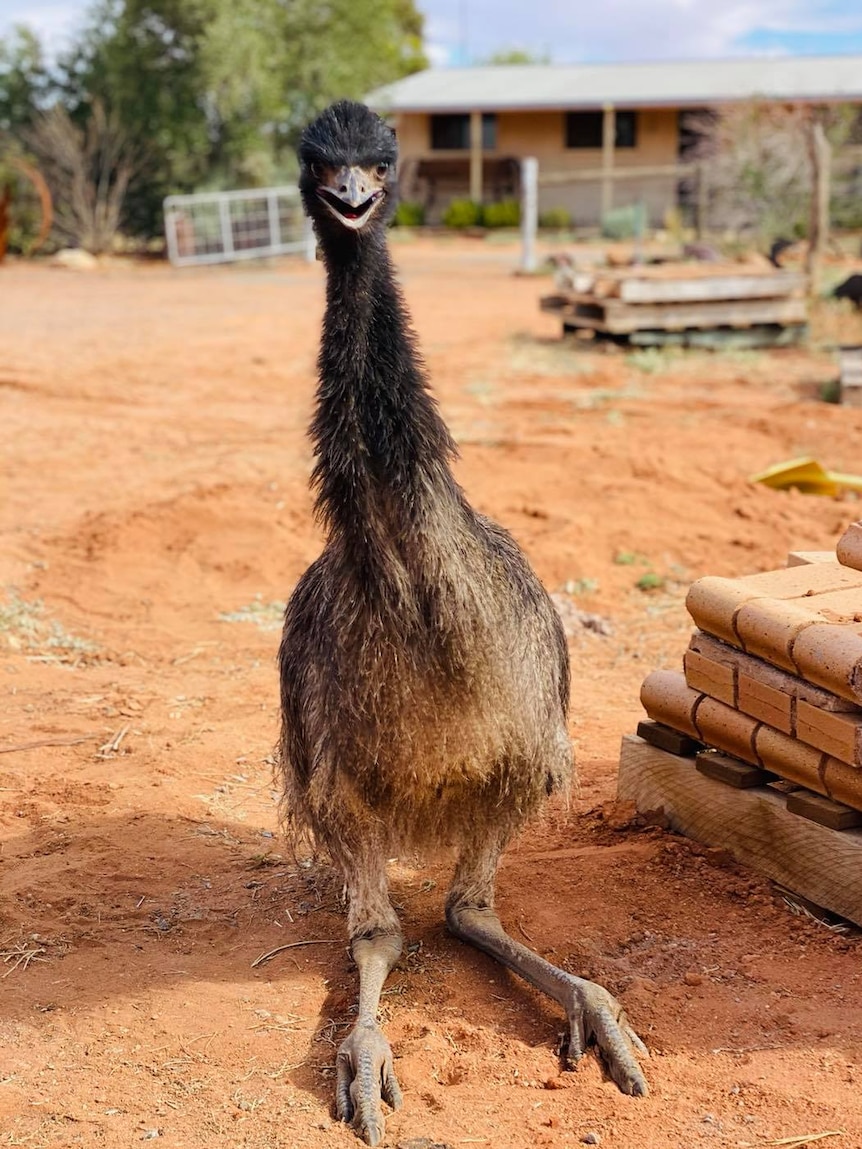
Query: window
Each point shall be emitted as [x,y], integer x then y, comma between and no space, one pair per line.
[585,129]
[452,132]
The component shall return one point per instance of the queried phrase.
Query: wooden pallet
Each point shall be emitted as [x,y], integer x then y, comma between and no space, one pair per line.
[820,864]
[850,359]
[686,305]
[615,317]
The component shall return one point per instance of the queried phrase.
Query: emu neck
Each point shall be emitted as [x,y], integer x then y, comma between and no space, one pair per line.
[383,452]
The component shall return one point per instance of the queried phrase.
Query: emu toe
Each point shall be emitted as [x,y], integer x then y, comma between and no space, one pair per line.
[365,1077]
[597,1018]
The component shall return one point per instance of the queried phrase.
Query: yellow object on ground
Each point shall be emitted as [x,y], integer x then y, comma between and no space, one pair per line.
[808,476]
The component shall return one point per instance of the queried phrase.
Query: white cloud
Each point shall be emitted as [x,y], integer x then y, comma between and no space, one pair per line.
[627,29]
[54,20]
[566,30]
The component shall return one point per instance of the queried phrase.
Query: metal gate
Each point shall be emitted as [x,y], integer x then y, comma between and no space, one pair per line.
[221,227]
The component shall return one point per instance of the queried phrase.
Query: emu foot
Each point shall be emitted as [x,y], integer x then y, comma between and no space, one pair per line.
[365,1077]
[597,1018]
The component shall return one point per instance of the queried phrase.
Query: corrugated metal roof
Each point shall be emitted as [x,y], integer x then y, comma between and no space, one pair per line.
[697,82]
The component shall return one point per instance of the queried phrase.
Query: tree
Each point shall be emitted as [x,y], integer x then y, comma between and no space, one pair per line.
[215,92]
[758,159]
[24,80]
[140,61]
[516,56]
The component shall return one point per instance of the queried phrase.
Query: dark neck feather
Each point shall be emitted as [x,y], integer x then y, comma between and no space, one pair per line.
[383,452]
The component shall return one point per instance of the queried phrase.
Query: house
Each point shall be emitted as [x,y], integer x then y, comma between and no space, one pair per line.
[604,134]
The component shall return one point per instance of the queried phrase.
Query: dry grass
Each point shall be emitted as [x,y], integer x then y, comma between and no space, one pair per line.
[24,627]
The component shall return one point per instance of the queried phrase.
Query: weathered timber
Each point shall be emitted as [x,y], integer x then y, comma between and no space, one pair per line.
[761,335]
[617,318]
[705,288]
[822,810]
[820,864]
[730,771]
[666,738]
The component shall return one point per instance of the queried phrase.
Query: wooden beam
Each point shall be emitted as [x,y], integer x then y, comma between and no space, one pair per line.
[820,864]
[712,287]
[476,157]
[622,319]
[609,135]
[590,175]
[820,152]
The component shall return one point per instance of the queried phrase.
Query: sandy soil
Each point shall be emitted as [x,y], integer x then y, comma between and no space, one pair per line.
[153,500]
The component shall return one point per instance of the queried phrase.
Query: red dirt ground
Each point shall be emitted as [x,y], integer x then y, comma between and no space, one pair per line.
[153,479]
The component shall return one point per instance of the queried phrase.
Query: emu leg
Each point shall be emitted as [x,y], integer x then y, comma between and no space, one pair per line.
[594,1015]
[364,1073]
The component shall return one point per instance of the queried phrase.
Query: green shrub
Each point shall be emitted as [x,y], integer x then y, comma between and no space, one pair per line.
[409,213]
[625,222]
[505,213]
[555,219]
[463,213]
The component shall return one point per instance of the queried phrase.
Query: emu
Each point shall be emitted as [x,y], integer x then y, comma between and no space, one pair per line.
[424,670]
[850,289]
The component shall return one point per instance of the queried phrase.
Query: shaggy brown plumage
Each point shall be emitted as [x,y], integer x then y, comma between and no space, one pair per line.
[424,670]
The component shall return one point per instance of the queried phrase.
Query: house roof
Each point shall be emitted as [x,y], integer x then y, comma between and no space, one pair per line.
[534,87]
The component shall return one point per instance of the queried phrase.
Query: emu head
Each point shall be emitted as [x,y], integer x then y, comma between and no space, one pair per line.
[347,172]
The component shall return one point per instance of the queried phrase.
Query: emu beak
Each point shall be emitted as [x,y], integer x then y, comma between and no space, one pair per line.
[352,196]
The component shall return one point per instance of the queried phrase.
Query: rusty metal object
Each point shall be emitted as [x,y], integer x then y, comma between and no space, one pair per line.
[46,205]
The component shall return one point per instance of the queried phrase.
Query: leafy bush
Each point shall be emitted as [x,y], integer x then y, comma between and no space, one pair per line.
[555,218]
[462,213]
[625,222]
[506,213]
[409,213]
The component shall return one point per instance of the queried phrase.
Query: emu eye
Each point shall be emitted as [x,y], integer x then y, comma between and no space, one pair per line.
[382,169]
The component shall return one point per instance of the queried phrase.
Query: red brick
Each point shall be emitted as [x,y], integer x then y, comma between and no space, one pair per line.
[716,679]
[805,558]
[765,703]
[849,549]
[714,603]
[830,655]
[839,735]
[843,783]
[764,672]
[666,698]
[726,729]
[768,627]
[790,758]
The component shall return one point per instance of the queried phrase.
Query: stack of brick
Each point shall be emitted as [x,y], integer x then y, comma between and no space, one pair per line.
[773,676]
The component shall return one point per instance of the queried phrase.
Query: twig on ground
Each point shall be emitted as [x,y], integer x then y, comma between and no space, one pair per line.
[291,946]
[113,744]
[21,957]
[42,742]
[798,1142]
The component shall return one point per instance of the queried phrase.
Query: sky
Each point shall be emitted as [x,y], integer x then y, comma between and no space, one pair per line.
[574,31]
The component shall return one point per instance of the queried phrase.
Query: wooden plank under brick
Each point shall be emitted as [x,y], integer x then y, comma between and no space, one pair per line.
[666,738]
[818,863]
[823,810]
[730,771]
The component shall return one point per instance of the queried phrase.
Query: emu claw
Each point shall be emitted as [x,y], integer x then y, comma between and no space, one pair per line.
[365,1077]
[596,1017]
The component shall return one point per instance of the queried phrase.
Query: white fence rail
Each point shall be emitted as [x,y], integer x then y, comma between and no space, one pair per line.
[221,227]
